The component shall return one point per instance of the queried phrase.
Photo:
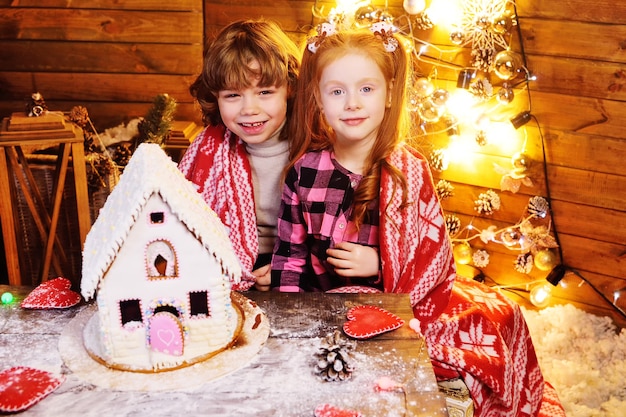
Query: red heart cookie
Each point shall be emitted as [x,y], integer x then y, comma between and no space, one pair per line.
[369,321]
[21,387]
[327,410]
[55,293]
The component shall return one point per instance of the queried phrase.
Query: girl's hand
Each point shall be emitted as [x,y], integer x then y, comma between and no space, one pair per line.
[263,278]
[353,261]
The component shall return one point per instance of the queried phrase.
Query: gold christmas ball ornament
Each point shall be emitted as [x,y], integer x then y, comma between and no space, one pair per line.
[482,22]
[366,16]
[545,259]
[502,24]
[506,95]
[457,37]
[423,87]
[506,64]
[440,97]
[385,16]
[462,253]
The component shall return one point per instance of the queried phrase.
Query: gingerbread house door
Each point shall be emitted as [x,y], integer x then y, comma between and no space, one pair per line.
[166,334]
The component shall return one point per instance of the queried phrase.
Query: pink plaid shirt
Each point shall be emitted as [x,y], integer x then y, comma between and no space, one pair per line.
[315,214]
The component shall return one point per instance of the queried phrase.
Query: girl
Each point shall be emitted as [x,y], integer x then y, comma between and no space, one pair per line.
[359,208]
[245,91]
[332,214]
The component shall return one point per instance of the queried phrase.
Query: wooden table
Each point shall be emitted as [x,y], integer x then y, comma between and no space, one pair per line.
[279,381]
[53,132]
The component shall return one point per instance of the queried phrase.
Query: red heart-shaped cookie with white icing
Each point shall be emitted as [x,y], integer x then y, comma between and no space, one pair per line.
[55,293]
[327,410]
[369,321]
[21,387]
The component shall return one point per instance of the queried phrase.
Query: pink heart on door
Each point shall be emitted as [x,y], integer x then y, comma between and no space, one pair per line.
[165,336]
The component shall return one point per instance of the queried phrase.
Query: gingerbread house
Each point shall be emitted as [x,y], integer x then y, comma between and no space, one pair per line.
[160,265]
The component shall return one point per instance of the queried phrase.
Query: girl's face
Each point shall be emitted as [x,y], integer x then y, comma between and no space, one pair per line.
[353,96]
[254,113]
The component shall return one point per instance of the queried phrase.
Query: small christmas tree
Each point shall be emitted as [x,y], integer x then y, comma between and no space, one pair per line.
[155,127]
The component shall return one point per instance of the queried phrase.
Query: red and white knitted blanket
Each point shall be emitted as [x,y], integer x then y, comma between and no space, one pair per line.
[471,330]
[217,164]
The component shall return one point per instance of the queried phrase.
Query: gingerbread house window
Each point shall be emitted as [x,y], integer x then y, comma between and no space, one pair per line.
[157,217]
[161,260]
[199,303]
[130,310]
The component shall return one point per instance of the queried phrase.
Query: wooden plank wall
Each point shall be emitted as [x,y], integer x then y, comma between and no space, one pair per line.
[114,59]
[577,50]
[111,57]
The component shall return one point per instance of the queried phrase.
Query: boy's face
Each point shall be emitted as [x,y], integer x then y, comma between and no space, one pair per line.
[254,113]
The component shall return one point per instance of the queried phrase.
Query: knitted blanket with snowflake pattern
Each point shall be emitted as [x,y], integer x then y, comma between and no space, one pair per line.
[217,164]
[471,330]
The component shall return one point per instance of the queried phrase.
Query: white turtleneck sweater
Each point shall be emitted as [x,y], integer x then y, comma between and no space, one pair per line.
[267,161]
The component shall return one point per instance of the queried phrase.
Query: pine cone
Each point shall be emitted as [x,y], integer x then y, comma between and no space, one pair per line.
[487,202]
[334,358]
[538,206]
[481,138]
[79,115]
[98,169]
[423,22]
[444,189]
[453,224]
[438,161]
[481,89]
[122,153]
[524,263]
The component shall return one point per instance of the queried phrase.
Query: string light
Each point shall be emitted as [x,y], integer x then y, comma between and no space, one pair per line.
[465,78]
[6,298]
[541,294]
[520,119]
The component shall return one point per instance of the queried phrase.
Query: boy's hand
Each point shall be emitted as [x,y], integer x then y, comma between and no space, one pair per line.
[263,278]
[353,261]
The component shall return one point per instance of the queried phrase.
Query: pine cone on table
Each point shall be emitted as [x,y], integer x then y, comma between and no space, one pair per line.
[334,358]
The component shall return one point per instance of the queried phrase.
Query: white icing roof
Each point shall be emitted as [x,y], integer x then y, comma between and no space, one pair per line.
[150,171]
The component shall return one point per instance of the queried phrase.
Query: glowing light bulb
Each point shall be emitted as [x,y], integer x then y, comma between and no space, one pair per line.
[541,294]
[414,6]
[6,298]
[446,14]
